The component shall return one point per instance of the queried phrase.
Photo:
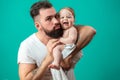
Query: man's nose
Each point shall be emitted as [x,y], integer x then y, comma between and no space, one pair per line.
[55,20]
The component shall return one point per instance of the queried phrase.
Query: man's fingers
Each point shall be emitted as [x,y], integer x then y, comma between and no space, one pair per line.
[51,44]
[54,44]
[53,40]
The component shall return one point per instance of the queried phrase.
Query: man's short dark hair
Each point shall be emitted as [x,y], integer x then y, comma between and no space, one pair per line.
[34,11]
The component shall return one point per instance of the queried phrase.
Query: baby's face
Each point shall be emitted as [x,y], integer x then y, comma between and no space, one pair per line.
[66,18]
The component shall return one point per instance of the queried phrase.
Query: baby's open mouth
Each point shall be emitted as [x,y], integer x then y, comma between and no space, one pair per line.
[65,22]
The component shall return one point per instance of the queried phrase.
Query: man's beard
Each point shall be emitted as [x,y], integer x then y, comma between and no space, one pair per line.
[54,33]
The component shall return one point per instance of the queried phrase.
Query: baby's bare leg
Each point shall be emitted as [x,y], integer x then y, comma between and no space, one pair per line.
[57,54]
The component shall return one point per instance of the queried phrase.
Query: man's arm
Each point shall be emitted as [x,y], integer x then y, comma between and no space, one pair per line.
[86,34]
[31,71]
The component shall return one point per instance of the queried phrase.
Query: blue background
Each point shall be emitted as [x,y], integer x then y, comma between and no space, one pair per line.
[101,60]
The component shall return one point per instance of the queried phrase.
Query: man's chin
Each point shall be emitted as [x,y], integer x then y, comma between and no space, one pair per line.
[56,34]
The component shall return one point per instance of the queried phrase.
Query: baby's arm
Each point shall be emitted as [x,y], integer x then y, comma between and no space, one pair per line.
[72,36]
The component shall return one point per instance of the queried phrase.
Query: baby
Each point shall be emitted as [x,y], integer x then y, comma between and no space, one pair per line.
[67,18]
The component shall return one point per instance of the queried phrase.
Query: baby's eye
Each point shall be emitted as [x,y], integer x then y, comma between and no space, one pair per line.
[68,16]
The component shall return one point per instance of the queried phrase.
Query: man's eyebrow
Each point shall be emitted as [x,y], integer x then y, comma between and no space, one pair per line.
[48,16]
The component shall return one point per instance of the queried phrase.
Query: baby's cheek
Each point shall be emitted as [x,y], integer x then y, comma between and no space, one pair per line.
[61,23]
[70,23]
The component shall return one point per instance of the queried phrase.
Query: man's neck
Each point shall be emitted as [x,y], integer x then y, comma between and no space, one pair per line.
[43,38]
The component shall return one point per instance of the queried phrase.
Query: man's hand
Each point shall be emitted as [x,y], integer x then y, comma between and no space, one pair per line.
[66,63]
[52,44]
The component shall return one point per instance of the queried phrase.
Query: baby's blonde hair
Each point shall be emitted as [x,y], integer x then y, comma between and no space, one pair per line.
[69,9]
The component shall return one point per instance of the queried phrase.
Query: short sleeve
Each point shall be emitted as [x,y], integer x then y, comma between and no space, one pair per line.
[24,54]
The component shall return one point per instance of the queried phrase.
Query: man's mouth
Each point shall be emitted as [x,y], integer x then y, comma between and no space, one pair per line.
[57,27]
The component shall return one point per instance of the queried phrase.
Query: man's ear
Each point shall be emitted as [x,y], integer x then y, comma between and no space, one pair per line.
[37,25]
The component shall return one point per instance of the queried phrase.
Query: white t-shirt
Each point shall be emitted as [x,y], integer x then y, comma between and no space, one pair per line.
[33,51]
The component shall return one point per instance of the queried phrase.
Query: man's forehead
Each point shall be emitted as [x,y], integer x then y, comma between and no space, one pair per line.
[47,12]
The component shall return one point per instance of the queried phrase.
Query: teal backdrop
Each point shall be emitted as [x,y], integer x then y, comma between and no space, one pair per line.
[101,59]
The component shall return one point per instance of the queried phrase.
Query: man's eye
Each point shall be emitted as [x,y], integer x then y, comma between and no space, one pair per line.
[61,17]
[49,19]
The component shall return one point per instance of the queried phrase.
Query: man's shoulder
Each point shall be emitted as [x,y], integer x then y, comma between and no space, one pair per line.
[79,25]
[28,40]
[83,27]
